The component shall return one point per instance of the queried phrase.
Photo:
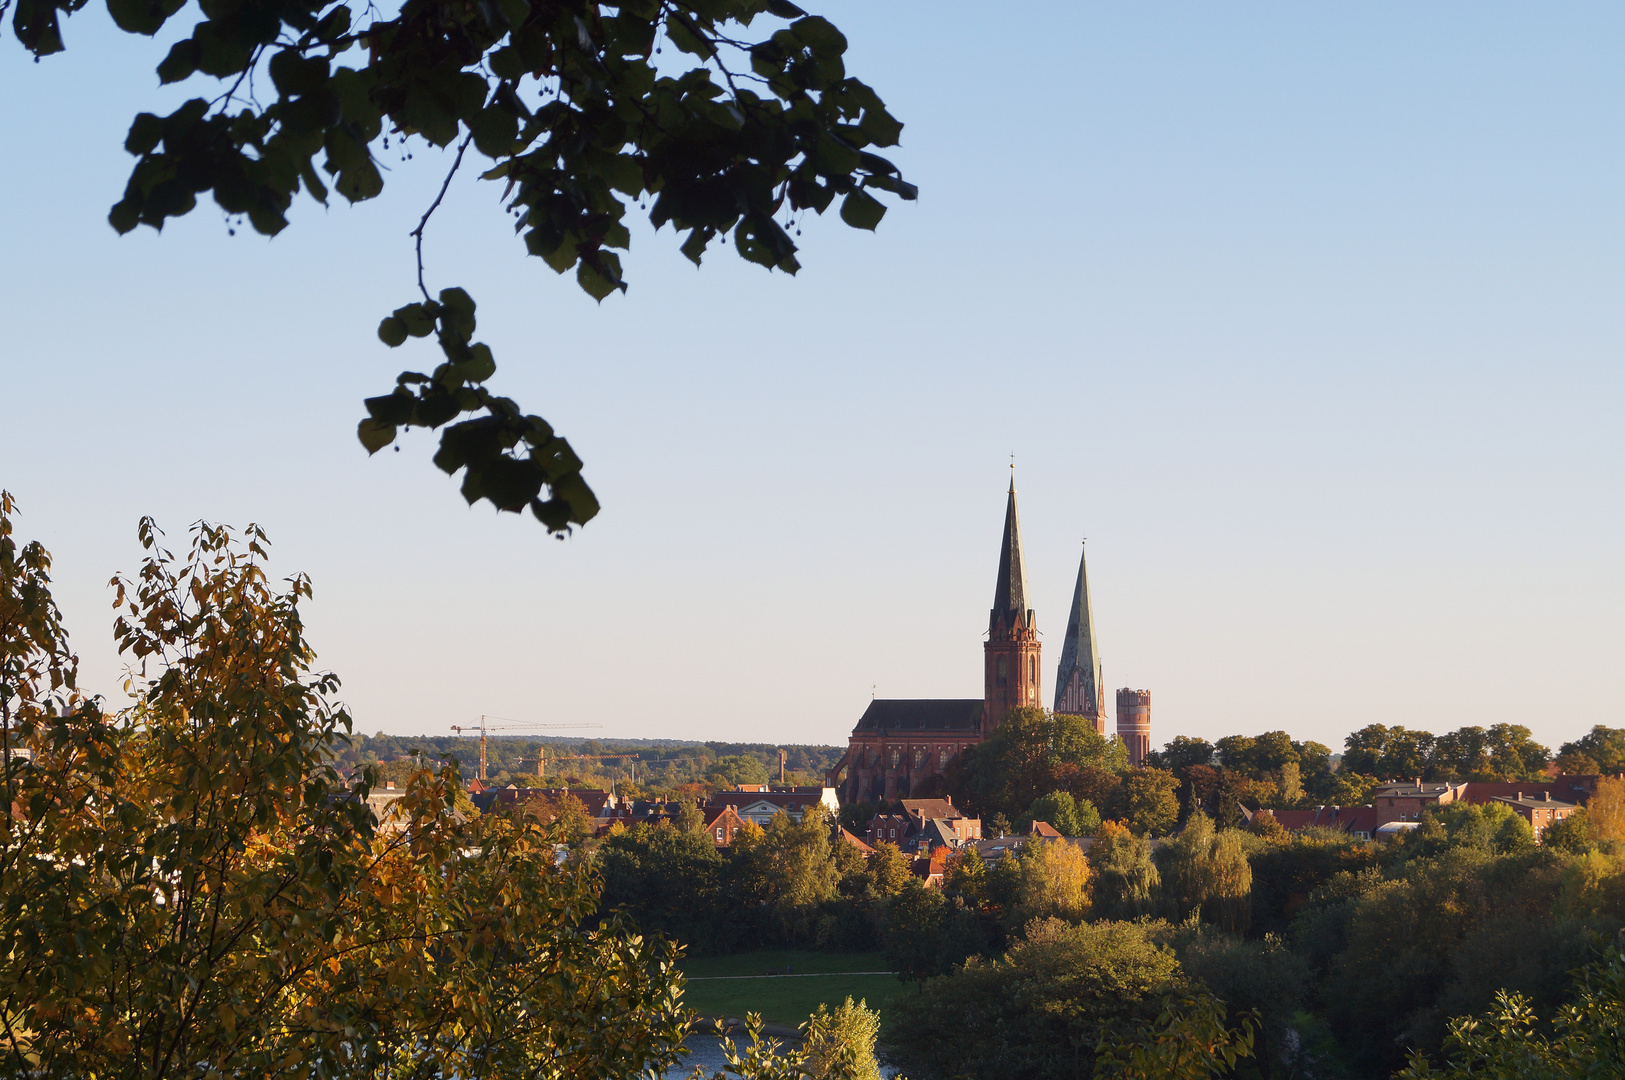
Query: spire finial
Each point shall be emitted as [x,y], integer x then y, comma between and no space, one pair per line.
[1012,473]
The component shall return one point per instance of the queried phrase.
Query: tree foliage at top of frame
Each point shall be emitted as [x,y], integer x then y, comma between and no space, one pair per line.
[578,118]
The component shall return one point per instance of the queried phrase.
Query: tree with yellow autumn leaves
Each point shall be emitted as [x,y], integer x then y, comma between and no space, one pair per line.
[188,888]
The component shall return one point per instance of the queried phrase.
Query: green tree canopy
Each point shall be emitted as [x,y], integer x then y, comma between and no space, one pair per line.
[1184,751]
[1127,884]
[1040,1010]
[1069,816]
[1032,753]
[1510,1043]
[736,769]
[1602,749]
[1149,801]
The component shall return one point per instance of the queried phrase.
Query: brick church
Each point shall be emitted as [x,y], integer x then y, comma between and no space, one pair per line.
[898,744]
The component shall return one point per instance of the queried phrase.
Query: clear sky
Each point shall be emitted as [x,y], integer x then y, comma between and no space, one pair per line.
[1308,316]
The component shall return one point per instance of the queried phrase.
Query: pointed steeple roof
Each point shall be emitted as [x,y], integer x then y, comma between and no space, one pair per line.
[1080,656]
[1010,594]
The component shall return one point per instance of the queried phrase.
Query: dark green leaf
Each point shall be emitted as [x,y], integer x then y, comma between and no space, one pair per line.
[687,36]
[862,211]
[882,128]
[375,436]
[180,63]
[145,131]
[392,331]
[819,35]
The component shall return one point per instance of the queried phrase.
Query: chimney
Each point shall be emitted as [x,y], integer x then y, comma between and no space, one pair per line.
[1418,782]
[389,785]
[1546,795]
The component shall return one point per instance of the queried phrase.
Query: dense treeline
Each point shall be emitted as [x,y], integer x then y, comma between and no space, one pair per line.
[1350,953]
[663,767]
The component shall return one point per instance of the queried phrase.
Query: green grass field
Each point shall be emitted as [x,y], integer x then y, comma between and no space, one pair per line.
[727,986]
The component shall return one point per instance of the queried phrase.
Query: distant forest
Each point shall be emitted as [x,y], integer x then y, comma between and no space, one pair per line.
[660,766]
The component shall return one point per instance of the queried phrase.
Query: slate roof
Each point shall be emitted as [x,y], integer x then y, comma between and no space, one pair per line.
[921,714]
[1529,801]
[992,849]
[1010,593]
[1429,790]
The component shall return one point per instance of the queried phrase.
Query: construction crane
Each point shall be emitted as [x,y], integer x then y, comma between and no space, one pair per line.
[541,761]
[483,728]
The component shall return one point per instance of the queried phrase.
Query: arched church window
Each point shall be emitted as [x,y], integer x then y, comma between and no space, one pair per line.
[919,757]
[942,757]
[1004,678]
[1032,670]
[896,756]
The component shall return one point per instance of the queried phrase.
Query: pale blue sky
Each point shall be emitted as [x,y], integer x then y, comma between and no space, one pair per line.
[1308,316]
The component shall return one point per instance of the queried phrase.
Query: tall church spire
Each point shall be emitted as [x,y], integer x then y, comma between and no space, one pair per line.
[1011,651]
[1078,689]
[1010,593]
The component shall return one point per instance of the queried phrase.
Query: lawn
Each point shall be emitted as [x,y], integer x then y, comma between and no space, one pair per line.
[735,985]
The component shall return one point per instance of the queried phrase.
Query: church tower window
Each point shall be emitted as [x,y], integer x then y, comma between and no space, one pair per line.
[1004,678]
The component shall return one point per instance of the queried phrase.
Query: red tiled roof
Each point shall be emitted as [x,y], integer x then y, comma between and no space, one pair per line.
[926,809]
[1044,829]
[715,814]
[855,842]
[1347,818]
[1573,789]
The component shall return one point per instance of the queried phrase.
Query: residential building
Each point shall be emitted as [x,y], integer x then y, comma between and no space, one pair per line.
[891,828]
[1539,809]
[1405,801]
[386,811]
[757,803]
[721,825]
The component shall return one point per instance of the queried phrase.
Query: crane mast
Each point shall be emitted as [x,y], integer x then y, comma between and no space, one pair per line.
[483,728]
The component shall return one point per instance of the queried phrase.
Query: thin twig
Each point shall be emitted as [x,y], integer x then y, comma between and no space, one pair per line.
[230,95]
[417,233]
